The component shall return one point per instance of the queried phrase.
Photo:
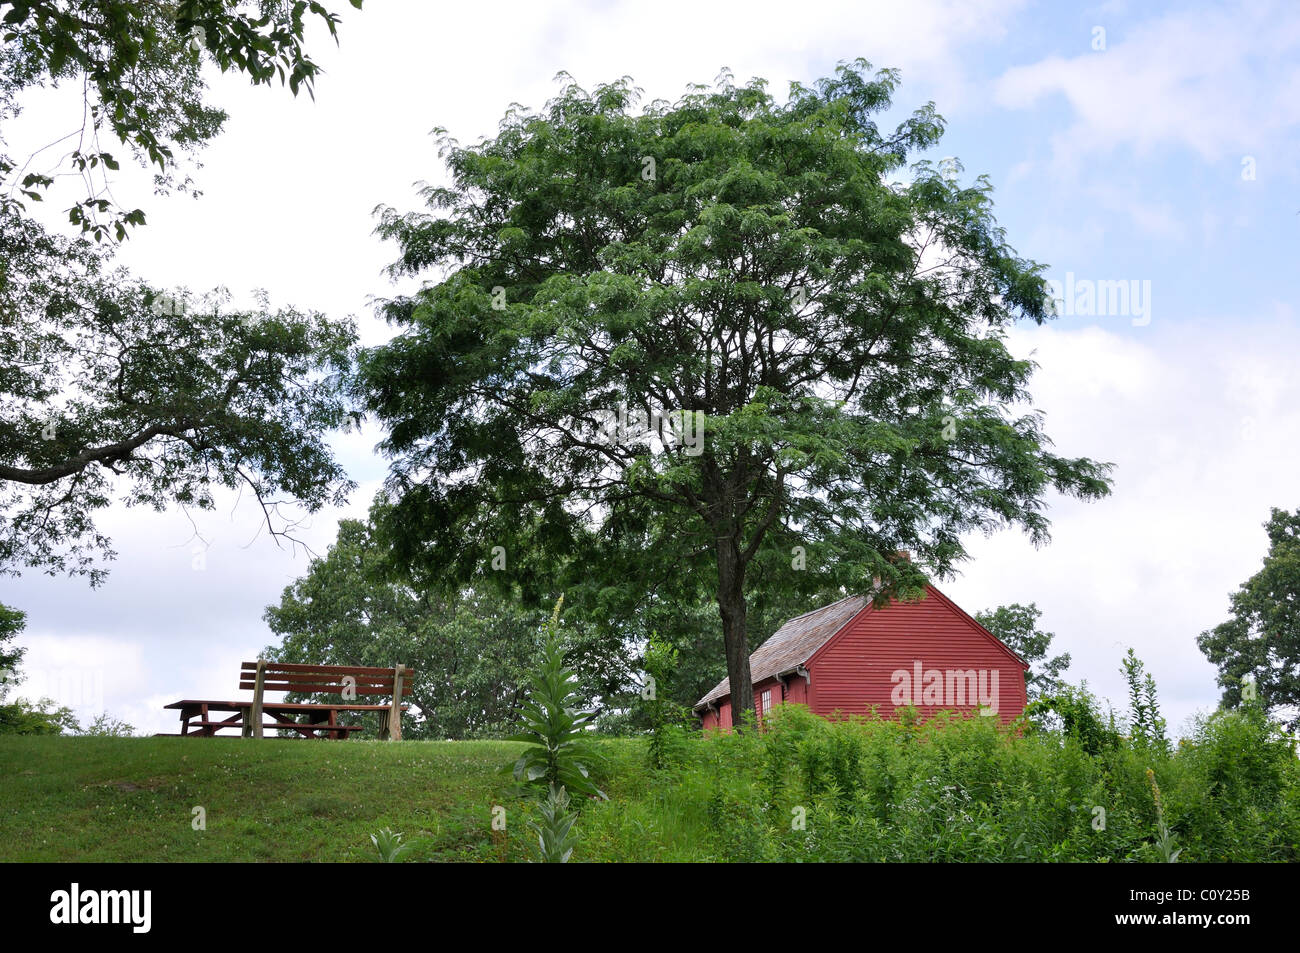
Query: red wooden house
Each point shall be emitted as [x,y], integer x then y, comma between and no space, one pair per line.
[848,656]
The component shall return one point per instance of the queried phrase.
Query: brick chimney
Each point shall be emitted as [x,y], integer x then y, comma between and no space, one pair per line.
[902,554]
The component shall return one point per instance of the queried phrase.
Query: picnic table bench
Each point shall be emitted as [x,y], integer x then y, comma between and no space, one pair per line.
[201,717]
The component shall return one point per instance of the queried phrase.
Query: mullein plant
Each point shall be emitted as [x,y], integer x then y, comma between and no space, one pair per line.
[559,752]
[555,837]
[1165,842]
[390,846]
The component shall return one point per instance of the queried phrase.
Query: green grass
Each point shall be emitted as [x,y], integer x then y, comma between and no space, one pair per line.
[805,789]
[131,799]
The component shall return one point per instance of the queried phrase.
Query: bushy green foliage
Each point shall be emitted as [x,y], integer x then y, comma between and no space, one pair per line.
[1074,711]
[42,717]
[667,718]
[107,726]
[964,789]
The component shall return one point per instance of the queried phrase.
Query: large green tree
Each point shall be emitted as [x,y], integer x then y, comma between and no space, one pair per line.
[812,330]
[108,390]
[1257,651]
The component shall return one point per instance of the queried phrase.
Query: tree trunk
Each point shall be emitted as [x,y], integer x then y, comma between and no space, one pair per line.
[731,605]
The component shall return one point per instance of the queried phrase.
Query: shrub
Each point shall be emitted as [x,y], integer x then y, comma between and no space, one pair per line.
[44,717]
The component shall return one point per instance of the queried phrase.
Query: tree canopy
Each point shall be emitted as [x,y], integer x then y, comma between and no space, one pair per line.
[715,333]
[113,391]
[139,64]
[107,388]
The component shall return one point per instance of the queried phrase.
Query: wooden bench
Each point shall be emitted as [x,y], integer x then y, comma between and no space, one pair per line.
[201,717]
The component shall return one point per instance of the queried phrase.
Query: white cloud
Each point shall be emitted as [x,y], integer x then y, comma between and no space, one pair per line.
[83,672]
[1217,81]
[1152,566]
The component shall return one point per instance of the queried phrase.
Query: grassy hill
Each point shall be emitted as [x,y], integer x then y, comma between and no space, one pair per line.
[131,799]
[805,789]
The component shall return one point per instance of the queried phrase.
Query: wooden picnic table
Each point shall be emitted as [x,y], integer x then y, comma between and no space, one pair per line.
[201,717]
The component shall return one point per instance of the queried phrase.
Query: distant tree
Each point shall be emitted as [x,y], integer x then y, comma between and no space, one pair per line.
[23,716]
[44,716]
[1016,626]
[1257,651]
[719,333]
[12,622]
[473,649]
[106,726]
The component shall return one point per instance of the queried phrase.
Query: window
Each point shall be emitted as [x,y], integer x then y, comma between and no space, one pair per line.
[765,705]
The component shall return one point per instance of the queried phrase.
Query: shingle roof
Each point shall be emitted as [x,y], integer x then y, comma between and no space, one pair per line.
[794,643]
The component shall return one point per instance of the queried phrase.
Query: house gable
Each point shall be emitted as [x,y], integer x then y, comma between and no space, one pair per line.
[858,667]
[930,592]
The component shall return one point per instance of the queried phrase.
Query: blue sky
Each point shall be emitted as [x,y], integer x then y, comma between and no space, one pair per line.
[1114,161]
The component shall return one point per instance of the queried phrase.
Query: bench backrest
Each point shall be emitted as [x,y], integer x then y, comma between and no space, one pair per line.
[350,681]
[329,679]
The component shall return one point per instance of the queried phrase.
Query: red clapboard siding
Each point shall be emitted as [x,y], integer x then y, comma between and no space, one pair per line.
[855,669]
[796,690]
